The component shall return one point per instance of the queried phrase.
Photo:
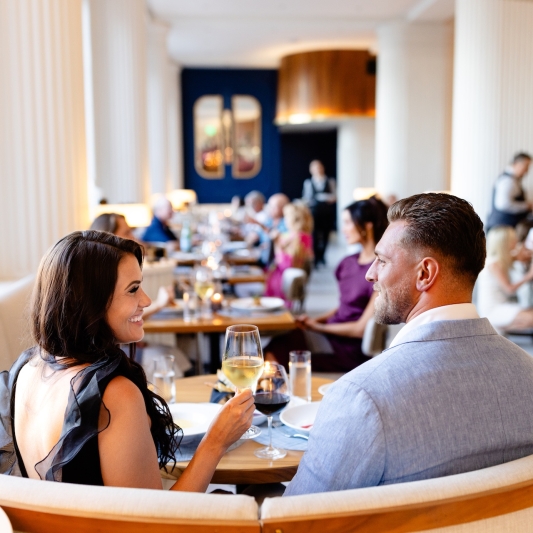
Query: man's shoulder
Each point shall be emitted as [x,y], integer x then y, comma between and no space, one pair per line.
[432,348]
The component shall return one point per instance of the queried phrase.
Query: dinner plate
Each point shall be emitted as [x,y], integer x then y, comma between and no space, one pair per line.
[259,418]
[177,307]
[324,388]
[193,418]
[187,256]
[232,246]
[300,417]
[267,303]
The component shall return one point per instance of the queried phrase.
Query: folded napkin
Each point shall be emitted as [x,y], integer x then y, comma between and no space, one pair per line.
[186,451]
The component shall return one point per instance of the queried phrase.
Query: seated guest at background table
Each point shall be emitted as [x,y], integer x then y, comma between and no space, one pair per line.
[450,395]
[495,288]
[522,262]
[80,408]
[274,209]
[158,230]
[253,209]
[115,224]
[273,225]
[334,339]
[509,202]
[293,248]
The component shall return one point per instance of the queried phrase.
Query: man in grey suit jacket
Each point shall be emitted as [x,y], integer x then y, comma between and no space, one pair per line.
[450,395]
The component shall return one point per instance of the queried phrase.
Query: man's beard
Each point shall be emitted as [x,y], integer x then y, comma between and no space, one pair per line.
[393,309]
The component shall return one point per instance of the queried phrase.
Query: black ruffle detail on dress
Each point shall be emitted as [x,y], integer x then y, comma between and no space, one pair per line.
[83,417]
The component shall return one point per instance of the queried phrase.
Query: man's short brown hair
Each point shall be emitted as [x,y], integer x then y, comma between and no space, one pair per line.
[446,225]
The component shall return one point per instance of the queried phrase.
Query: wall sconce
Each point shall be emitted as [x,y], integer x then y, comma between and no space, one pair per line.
[136,215]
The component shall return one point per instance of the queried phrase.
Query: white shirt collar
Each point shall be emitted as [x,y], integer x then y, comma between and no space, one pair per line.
[445,312]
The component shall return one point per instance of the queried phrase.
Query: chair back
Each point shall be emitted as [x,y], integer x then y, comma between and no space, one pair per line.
[293,285]
[35,506]
[374,338]
[491,500]
[14,325]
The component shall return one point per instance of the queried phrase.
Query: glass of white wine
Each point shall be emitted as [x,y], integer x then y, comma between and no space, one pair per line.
[204,287]
[242,362]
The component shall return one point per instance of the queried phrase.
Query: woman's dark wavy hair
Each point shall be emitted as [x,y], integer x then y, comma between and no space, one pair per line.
[73,291]
[372,210]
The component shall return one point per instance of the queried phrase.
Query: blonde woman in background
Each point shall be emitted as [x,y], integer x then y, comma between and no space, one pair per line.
[495,288]
[292,249]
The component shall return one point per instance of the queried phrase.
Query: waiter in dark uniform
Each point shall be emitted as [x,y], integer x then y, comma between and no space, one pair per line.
[509,204]
[320,194]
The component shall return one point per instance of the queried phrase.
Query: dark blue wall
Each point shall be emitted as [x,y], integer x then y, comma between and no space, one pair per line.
[259,83]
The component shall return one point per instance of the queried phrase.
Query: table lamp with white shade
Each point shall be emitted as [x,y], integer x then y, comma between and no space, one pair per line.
[181,198]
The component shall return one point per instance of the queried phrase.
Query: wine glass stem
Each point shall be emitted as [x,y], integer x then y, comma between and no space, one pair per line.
[269,419]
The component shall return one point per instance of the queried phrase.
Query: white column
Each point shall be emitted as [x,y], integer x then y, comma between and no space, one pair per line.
[43,174]
[493,88]
[119,42]
[413,107]
[355,158]
[158,93]
[175,128]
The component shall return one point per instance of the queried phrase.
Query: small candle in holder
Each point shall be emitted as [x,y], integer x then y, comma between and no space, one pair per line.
[216,301]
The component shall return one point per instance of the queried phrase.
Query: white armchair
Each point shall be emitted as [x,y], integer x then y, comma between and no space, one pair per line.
[14,324]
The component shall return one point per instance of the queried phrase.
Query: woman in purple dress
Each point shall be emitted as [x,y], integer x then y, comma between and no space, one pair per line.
[334,339]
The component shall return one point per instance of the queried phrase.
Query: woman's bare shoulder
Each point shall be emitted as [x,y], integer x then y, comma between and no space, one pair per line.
[120,390]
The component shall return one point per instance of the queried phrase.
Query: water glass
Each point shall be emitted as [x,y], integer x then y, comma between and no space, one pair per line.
[300,374]
[164,378]
[189,307]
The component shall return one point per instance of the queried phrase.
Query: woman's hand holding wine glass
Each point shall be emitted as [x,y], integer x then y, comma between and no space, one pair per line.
[233,420]
[242,362]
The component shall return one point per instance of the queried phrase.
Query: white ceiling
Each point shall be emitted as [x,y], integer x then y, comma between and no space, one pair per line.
[257,33]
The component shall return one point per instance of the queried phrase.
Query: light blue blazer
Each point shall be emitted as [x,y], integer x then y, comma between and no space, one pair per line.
[453,397]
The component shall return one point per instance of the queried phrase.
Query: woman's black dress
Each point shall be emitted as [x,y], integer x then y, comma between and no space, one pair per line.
[75,457]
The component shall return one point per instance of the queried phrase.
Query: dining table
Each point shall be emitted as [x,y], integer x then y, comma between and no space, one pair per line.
[267,322]
[233,275]
[240,466]
[251,257]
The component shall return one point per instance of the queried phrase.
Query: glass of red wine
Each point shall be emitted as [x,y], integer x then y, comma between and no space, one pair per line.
[271,396]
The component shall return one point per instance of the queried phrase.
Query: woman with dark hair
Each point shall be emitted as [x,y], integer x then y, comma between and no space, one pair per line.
[113,223]
[75,407]
[334,339]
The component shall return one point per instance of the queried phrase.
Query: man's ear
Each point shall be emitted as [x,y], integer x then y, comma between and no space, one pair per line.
[427,272]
